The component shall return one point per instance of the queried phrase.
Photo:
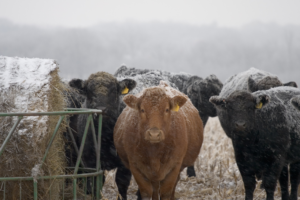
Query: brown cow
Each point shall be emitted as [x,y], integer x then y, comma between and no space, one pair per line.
[157,135]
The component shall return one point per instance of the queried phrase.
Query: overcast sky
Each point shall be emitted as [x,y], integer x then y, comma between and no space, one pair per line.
[83,13]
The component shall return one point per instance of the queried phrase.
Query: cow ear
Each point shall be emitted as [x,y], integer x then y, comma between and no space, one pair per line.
[296,102]
[252,86]
[261,101]
[131,101]
[291,84]
[217,101]
[177,102]
[79,85]
[127,85]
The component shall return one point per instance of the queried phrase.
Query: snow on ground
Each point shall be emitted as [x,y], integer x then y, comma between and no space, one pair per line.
[218,177]
[28,79]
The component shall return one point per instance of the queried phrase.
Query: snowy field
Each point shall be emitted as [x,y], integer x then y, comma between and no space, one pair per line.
[217,178]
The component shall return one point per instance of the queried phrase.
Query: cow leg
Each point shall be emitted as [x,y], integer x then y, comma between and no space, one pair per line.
[138,194]
[123,177]
[284,183]
[247,173]
[295,179]
[173,193]
[191,171]
[167,187]
[249,184]
[90,163]
[155,185]
[145,186]
[270,177]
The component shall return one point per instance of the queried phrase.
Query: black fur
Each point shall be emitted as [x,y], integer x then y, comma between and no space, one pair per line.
[291,84]
[265,137]
[199,91]
[74,99]
[252,80]
[266,83]
[96,99]
[263,84]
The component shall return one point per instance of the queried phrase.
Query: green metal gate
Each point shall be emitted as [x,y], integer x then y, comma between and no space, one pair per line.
[86,172]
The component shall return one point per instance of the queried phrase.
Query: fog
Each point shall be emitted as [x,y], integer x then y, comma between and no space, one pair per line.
[176,47]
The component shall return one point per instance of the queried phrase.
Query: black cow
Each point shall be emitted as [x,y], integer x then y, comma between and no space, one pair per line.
[199,90]
[74,99]
[265,132]
[296,102]
[103,90]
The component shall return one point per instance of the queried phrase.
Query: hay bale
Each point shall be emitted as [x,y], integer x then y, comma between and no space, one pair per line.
[30,85]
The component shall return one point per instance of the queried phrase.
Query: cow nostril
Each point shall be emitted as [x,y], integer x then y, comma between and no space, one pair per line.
[240,125]
[154,133]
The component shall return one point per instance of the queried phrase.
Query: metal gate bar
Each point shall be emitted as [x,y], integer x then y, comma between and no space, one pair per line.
[88,172]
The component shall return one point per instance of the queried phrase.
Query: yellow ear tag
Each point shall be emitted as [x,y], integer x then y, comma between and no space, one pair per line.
[259,105]
[125,91]
[176,108]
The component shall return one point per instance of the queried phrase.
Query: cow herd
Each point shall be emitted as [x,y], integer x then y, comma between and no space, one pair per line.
[153,127]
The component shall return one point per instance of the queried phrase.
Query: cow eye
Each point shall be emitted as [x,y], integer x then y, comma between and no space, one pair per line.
[142,110]
[167,110]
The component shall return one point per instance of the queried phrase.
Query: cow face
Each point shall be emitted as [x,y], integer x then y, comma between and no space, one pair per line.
[155,110]
[296,102]
[238,111]
[200,92]
[103,90]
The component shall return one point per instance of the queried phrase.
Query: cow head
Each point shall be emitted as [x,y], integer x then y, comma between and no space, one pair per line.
[267,83]
[103,90]
[237,112]
[201,90]
[155,110]
[296,102]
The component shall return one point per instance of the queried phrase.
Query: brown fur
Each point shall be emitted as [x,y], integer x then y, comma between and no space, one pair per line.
[156,165]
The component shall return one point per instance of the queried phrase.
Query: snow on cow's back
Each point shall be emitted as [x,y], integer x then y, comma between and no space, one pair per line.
[240,81]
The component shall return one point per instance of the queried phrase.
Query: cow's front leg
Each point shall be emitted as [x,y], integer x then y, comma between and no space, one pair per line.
[295,179]
[249,184]
[167,186]
[123,177]
[145,186]
[191,171]
[284,183]
[247,172]
[155,186]
[270,177]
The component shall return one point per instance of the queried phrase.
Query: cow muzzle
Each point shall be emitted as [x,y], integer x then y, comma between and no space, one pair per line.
[154,135]
[240,127]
